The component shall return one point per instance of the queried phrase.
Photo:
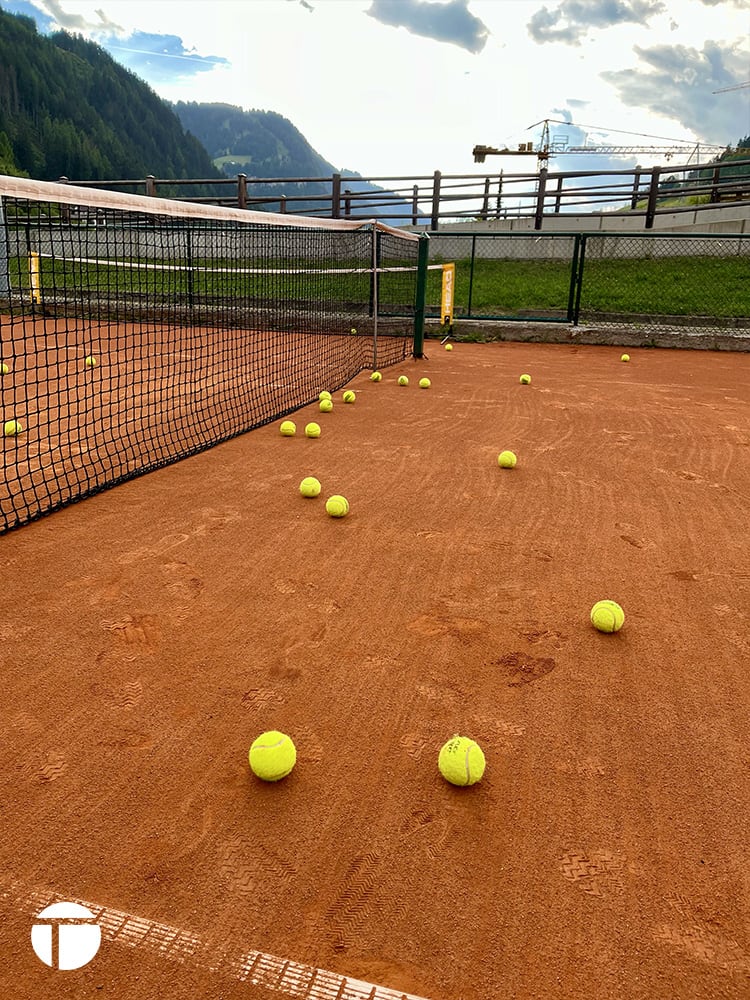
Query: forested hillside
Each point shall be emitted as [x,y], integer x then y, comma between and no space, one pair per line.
[264,144]
[67,108]
[257,143]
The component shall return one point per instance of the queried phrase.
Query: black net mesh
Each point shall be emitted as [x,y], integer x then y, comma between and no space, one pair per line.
[130,340]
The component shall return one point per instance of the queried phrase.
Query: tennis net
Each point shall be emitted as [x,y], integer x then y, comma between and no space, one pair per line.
[137,331]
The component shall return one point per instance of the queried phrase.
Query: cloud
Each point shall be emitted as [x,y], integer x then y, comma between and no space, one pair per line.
[678,84]
[43,22]
[449,22]
[572,19]
[159,58]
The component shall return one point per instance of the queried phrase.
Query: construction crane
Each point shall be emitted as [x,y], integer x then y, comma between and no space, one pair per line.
[553,147]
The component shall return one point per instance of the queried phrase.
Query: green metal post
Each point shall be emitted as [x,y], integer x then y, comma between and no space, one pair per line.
[579,280]
[421,295]
[573,278]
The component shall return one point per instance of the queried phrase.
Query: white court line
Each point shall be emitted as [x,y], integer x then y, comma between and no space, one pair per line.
[289,979]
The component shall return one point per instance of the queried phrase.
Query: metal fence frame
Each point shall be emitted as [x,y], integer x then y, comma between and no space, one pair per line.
[582,249]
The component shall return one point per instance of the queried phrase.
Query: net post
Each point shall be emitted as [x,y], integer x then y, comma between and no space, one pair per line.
[421,294]
[374,297]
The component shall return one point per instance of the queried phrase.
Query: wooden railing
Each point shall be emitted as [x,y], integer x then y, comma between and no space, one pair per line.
[437,198]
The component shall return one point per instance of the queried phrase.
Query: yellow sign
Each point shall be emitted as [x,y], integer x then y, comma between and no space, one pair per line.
[449,281]
[34,277]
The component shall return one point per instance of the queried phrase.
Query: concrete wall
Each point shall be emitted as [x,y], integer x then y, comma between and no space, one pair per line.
[717,219]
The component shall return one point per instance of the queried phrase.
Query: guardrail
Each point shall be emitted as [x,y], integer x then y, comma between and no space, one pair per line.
[439,198]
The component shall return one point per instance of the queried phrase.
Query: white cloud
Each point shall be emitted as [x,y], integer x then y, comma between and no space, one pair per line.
[388,102]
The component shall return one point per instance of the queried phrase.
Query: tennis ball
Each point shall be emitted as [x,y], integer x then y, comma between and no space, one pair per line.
[607,616]
[310,487]
[312,430]
[326,405]
[3,368]
[337,506]
[349,396]
[376,377]
[403,380]
[12,427]
[353,330]
[525,379]
[506,460]
[424,383]
[625,357]
[461,761]
[272,756]
[449,347]
[325,394]
[91,361]
[288,429]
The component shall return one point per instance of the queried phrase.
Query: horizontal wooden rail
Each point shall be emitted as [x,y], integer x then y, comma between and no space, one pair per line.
[435,198]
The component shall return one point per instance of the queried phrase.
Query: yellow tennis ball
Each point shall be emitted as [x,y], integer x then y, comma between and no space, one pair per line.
[91,361]
[272,756]
[403,380]
[424,383]
[326,405]
[3,368]
[312,430]
[625,357]
[12,427]
[310,487]
[376,377]
[449,347]
[507,460]
[353,330]
[461,761]
[288,429]
[525,379]
[607,616]
[337,506]
[325,394]
[349,396]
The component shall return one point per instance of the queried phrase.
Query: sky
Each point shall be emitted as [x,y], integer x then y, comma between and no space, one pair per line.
[398,88]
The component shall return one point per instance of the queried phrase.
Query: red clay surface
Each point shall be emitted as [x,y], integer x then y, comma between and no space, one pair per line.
[148,634]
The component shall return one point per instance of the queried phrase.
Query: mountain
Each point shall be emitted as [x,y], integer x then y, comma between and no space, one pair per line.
[264,144]
[68,109]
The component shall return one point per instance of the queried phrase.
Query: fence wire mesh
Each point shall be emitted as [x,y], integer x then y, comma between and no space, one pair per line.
[647,282]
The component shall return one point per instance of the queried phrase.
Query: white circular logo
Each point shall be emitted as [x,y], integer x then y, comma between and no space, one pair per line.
[65,936]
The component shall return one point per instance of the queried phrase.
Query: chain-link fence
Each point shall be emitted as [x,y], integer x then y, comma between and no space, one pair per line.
[658,282]
[649,281]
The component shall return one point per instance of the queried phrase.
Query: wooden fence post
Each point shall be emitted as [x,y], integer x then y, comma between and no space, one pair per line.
[539,214]
[653,194]
[151,186]
[241,190]
[558,195]
[435,220]
[486,200]
[336,196]
[636,188]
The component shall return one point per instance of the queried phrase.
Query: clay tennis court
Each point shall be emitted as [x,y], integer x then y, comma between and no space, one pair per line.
[151,632]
